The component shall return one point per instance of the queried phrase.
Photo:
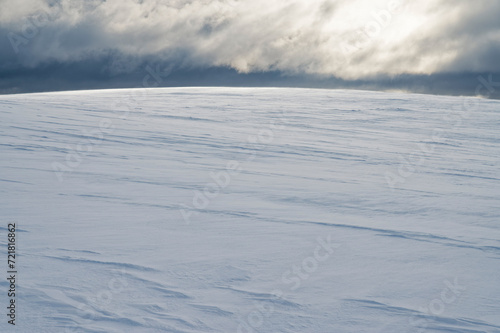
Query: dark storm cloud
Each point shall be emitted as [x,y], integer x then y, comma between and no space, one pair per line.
[429,46]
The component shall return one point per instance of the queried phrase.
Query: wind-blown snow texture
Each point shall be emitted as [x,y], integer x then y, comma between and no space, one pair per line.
[252,210]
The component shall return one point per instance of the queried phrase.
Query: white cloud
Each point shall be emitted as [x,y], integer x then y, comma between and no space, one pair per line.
[347,39]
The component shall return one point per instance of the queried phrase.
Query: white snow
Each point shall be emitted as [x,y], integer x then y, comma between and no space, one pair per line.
[251,210]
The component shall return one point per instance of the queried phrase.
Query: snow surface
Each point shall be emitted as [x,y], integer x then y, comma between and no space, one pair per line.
[251,210]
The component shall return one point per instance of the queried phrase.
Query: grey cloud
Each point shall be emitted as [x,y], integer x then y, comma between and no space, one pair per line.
[341,41]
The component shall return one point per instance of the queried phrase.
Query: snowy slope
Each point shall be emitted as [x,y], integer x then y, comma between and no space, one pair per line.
[251,210]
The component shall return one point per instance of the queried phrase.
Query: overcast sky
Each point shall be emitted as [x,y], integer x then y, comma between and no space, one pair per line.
[437,46]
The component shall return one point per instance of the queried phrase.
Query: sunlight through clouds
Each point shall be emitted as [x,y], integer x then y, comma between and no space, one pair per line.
[349,40]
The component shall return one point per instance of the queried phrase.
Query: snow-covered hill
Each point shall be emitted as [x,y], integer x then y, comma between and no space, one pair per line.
[251,210]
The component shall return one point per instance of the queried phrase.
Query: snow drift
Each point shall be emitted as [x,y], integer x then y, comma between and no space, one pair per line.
[252,210]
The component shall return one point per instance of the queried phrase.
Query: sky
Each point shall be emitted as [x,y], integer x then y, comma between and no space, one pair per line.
[426,46]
